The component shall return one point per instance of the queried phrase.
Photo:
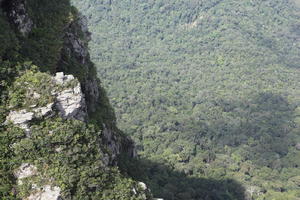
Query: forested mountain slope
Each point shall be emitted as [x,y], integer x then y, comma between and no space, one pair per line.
[58,137]
[210,88]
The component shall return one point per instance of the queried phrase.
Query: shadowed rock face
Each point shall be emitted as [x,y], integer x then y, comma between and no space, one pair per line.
[18,15]
[76,46]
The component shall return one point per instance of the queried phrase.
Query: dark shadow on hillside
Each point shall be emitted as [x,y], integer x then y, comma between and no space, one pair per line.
[261,125]
[264,123]
[168,184]
[265,118]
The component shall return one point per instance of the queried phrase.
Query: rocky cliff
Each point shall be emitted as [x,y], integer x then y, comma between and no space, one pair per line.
[58,133]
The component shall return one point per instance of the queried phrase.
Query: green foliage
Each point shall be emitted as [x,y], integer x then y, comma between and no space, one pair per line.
[9,42]
[32,88]
[67,153]
[8,162]
[44,43]
[210,87]
[70,155]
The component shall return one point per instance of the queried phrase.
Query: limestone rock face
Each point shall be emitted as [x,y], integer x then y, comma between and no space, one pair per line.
[46,193]
[19,16]
[43,193]
[69,102]
[62,79]
[20,118]
[25,170]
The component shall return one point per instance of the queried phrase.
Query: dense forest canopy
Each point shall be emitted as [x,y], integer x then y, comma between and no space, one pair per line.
[209,88]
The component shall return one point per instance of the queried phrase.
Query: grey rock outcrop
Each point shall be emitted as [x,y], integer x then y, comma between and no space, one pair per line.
[25,170]
[110,140]
[62,79]
[69,102]
[92,91]
[76,41]
[41,193]
[76,45]
[117,144]
[20,118]
[46,193]
[19,16]
[43,111]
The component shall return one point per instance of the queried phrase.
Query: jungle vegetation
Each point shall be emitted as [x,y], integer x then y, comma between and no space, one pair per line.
[208,89]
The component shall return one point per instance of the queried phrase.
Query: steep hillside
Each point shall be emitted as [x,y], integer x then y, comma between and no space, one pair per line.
[209,88]
[58,137]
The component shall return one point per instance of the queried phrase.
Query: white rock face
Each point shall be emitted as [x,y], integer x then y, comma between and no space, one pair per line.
[20,118]
[70,102]
[62,79]
[46,193]
[143,185]
[25,170]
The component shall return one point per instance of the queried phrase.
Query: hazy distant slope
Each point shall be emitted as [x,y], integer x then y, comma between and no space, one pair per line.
[212,87]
